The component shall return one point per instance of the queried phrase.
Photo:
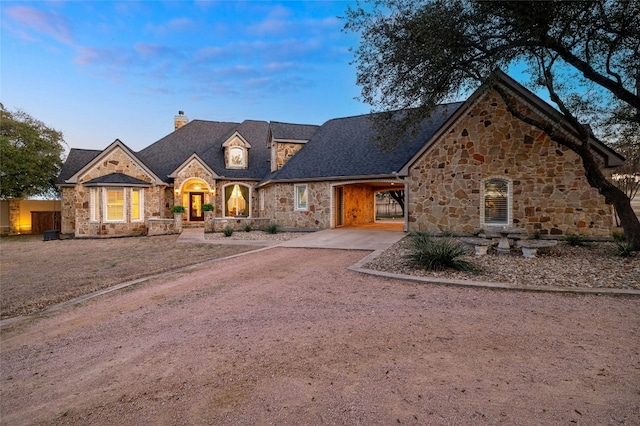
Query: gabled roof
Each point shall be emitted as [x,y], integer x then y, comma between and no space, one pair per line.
[116,179]
[115,145]
[286,132]
[343,148]
[76,160]
[193,157]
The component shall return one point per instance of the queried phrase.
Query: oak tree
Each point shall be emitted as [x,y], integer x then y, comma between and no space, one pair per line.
[414,54]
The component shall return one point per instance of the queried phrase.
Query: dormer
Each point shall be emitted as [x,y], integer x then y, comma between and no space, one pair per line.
[236,152]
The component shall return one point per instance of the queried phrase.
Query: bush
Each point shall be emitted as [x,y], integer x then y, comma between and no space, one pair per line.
[577,240]
[207,207]
[227,231]
[247,228]
[622,249]
[271,228]
[537,234]
[178,209]
[436,254]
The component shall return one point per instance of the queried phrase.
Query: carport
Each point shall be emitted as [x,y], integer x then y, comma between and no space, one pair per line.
[354,203]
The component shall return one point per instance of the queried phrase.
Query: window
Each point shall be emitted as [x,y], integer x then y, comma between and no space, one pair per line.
[236,199]
[496,202]
[301,197]
[236,157]
[136,205]
[115,204]
[94,204]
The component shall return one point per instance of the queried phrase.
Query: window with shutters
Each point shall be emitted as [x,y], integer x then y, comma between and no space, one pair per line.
[496,202]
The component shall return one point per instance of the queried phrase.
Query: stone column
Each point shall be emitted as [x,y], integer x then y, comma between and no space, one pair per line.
[177,218]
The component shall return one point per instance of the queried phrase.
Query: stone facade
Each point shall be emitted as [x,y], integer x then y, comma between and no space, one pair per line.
[76,200]
[279,204]
[282,152]
[549,195]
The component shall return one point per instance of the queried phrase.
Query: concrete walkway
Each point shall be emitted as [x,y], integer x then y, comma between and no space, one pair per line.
[343,238]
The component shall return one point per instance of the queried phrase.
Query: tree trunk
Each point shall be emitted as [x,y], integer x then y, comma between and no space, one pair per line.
[399,197]
[612,194]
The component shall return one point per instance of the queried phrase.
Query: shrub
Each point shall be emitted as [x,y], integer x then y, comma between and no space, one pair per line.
[577,240]
[436,254]
[207,207]
[178,209]
[622,249]
[247,228]
[227,231]
[619,237]
[537,234]
[271,228]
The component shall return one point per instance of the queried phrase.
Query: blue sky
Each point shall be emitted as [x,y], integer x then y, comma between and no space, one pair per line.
[103,70]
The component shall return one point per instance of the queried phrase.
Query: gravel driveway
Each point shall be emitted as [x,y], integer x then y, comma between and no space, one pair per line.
[291,337]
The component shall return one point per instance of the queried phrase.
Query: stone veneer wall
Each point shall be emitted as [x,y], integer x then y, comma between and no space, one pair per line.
[279,205]
[550,193]
[282,152]
[68,210]
[117,161]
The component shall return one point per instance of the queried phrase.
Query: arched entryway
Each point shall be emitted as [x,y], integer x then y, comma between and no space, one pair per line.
[195,193]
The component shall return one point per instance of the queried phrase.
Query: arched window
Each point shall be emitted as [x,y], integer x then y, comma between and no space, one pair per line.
[496,202]
[236,200]
[236,157]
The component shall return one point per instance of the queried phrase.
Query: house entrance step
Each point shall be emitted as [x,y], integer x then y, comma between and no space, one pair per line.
[193,225]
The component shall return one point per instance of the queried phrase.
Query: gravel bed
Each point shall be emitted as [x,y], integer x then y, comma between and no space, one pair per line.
[562,266]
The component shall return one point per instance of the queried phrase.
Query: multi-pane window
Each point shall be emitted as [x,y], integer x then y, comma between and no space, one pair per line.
[136,205]
[236,157]
[496,202]
[236,200]
[301,197]
[115,204]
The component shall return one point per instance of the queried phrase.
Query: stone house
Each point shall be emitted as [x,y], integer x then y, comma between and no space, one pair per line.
[471,165]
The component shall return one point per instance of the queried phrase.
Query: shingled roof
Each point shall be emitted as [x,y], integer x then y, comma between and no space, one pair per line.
[292,132]
[76,160]
[344,148]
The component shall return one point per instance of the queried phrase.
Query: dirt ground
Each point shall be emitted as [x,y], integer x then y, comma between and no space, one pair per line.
[290,337]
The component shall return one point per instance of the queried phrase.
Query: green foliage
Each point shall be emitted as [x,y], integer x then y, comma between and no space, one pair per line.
[30,155]
[413,55]
[537,234]
[247,228]
[436,254]
[623,249]
[577,240]
[271,228]
[619,237]
[207,207]
[227,231]
[178,209]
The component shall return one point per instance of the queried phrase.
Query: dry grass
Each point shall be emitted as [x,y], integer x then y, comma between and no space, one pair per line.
[36,274]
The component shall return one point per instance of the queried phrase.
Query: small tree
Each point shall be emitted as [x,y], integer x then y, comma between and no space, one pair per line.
[30,155]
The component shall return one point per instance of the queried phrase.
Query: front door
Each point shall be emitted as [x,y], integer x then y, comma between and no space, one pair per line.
[195,206]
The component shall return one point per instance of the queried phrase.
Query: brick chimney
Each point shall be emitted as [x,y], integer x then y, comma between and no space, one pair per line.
[180,120]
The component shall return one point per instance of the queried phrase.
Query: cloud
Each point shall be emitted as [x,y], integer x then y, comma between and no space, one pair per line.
[51,24]
[176,25]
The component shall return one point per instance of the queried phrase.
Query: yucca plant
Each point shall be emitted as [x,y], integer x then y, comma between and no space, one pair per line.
[622,249]
[227,231]
[577,240]
[271,228]
[436,254]
[247,228]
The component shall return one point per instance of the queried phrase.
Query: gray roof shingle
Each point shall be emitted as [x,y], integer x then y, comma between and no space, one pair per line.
[118,179]
[295,132]
[75,161]
[343,147]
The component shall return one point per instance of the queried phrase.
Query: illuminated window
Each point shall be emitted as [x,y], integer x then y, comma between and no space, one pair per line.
[94,204]
[236,158]
[136,204]
[236,199]
[115,204]
[496,202]
[301,197]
